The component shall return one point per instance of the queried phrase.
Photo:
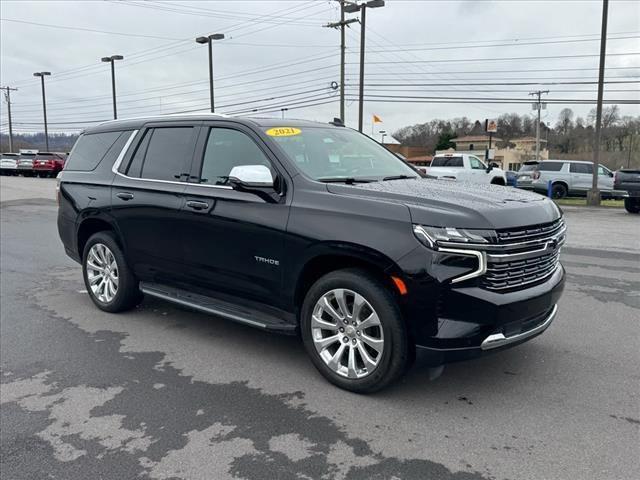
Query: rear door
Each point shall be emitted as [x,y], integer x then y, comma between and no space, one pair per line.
[233,239]
[146,198]
[581,176]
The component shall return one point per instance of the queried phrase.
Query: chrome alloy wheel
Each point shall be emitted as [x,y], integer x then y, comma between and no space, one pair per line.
[347,333]
[102,272]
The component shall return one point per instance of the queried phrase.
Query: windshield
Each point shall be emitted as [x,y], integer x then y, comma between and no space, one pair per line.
[338,153]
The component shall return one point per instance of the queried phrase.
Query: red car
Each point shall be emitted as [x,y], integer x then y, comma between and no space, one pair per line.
[48,164]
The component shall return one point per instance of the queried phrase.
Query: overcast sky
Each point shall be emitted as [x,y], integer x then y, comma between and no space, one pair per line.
[165,71]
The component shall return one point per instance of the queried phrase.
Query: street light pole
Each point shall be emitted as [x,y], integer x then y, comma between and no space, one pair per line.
[593,195]
[352,8]
[283,110]
[44,107]
[112,60]
[209,41]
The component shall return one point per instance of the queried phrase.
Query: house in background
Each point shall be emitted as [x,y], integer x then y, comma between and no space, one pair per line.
[509,158]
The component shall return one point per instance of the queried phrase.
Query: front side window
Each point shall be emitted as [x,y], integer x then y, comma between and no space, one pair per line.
[604,171]
[476,164]
[326,154]
[226,149]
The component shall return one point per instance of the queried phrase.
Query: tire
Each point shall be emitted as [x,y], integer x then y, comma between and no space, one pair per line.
[632,205]
[374,369]
[102,250]
[558,190]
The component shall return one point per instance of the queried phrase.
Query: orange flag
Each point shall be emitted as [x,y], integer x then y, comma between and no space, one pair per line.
[377,119]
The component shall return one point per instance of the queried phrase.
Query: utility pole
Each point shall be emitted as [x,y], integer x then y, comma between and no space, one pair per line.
[44,107]
[352,8]
[538,106]
[209,40]
[112,60]
[593,195]
[7,97]
[341,24]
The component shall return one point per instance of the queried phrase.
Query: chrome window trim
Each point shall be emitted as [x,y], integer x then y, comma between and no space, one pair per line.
[125,149]
[482,263]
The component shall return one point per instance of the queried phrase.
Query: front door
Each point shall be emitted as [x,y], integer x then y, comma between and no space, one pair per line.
[233,239]
[146,198]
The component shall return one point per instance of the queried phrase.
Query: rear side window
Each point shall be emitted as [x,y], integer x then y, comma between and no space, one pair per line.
[550,166]
[90,149]
[581,168]
[167,153]
[447,162]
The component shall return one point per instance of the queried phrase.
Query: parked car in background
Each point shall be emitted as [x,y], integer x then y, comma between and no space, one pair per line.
[567,177]
[512,178]
[48,164]
[465,167]
[25,164]
[9,163]
[629,181]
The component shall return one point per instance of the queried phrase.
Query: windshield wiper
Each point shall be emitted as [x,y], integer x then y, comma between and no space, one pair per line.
[347,180]
[398,177]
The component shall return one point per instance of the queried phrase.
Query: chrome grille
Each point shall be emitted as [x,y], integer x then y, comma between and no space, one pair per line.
[527,256]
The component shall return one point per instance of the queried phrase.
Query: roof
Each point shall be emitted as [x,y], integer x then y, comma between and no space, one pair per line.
[420,158]
[138,122]
[526,139]
[475,138]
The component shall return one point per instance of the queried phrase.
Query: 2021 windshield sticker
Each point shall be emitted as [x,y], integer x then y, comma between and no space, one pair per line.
[283,132]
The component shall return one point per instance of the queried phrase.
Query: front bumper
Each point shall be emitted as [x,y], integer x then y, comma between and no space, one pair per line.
[450,323]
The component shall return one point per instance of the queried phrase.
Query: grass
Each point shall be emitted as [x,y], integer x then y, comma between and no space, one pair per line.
[582,202]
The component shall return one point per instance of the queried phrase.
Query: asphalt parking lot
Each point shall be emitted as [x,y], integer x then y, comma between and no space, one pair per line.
[164,393]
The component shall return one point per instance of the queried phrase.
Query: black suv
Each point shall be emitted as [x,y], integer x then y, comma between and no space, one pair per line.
[311,229]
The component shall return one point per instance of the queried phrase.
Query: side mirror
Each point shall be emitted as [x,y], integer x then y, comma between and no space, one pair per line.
[490,167]
[251,176]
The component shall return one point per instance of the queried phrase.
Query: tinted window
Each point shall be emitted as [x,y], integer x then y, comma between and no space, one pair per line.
[550,166]
[447,162]
[528,167]
[227,149]
[168,154]
[581,168]
[135,165]
[90,149]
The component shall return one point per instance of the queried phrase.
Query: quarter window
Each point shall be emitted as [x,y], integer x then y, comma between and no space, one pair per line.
[550,166]
[227,148]
[90,149]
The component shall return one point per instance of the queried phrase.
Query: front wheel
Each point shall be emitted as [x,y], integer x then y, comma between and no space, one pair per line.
[109,281]
[558,190]
[353,331]
[632,205]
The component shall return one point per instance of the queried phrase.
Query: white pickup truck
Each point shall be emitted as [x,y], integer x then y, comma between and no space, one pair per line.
[465,167]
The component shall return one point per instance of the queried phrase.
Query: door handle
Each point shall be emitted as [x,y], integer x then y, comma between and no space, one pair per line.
[124,196]
[197,205]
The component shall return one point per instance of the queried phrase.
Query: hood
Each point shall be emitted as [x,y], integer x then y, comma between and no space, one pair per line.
[446,203]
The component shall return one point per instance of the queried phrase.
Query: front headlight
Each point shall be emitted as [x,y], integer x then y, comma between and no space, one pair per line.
[433,236]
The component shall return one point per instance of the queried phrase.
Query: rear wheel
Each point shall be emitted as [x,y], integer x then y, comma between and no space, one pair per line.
[353,331]
[109,281]
[632,205]
[558,190]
